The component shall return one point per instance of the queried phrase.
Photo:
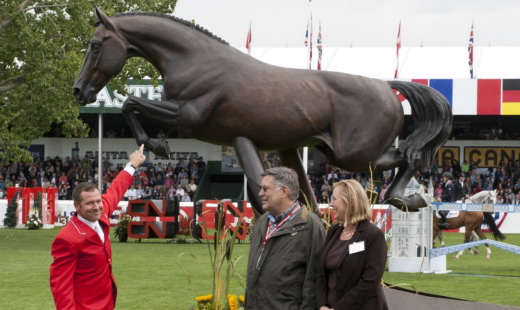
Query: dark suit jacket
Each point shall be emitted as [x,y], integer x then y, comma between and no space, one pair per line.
[448,194]
[459,191]
[81,273]
[359,275]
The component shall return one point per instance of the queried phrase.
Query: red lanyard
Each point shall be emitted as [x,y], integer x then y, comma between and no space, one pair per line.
[270,232]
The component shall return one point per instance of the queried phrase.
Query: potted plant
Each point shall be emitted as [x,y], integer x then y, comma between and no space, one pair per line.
[221,259]
[121,231]
[34,222]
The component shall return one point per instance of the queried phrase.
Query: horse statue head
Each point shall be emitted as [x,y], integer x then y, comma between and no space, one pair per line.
[105,58]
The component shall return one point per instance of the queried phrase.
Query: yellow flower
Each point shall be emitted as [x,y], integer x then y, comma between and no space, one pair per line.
[204,298]
[232,302]
[242,299]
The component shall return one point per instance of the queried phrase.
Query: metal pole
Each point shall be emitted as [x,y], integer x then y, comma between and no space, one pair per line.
[305,158]
[397,148]
[245,188]
[100,151]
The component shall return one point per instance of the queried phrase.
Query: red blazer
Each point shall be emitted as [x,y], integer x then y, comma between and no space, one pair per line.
[81,273]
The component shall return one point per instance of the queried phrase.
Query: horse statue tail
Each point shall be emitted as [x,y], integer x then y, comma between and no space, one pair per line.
[432,117]
[493,226]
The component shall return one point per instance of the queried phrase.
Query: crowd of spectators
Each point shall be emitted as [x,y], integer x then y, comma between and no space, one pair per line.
[180,178]
[504,178]
[155,181]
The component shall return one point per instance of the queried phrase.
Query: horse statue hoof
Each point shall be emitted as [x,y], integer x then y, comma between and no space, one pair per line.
[411,203]
[162,149]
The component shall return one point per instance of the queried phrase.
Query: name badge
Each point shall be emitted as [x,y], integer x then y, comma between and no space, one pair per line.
[356,247]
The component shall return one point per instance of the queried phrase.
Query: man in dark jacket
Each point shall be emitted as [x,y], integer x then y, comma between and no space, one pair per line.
[285,245]
[460,188]
[447,196]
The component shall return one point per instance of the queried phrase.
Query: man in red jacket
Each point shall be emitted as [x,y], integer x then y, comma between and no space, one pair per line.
[81,273]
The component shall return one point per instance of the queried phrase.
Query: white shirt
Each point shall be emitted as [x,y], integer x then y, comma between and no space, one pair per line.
[93,226]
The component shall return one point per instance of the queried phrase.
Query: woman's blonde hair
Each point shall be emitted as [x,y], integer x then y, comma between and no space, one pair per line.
[356,201]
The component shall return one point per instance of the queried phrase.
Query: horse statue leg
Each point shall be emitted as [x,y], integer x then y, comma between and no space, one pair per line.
[253,167]
[163,113]
[251,162]
[291,158]
[395,194]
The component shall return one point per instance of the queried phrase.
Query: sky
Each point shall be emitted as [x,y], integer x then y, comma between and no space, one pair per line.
[360,23]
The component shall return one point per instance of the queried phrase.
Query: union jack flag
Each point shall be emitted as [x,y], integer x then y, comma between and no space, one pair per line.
[470,52]
[319,47]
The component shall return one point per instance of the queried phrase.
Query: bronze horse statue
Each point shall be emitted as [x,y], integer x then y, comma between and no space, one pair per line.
[215,93]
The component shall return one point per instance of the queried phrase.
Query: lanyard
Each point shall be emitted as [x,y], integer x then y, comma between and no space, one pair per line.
[270,232]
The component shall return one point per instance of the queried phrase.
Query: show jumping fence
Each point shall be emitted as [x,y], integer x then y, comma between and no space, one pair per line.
[463,207]
[412,237]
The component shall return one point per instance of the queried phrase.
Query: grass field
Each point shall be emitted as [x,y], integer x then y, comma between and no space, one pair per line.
[473,277]
[154,274]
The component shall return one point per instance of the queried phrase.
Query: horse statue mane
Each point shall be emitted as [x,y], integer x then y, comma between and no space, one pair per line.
[215,93]
[173,18]
[482,196]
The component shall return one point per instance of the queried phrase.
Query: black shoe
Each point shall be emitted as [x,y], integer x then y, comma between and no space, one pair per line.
[444,225]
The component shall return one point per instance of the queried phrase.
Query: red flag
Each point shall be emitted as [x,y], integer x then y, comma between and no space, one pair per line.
[319,47]
[470,52]
[248,40]
[398,46]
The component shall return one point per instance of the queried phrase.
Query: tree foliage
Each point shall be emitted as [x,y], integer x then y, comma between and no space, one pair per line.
[38,204]
[10,213]
[42,46]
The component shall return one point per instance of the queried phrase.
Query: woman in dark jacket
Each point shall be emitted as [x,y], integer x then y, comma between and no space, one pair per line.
[354,256]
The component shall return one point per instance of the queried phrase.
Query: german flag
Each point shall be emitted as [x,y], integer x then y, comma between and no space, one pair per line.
[511,97]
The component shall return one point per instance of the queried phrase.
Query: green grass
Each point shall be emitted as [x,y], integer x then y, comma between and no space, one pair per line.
[150,275]
[499,285]
[156,275]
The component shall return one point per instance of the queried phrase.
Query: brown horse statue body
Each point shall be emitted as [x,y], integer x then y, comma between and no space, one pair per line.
[215,93]
[472,221]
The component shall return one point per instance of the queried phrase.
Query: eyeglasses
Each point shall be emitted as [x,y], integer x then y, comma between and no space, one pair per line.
[265,188]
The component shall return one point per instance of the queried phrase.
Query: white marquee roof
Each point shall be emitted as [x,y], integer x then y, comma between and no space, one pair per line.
[414,62]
